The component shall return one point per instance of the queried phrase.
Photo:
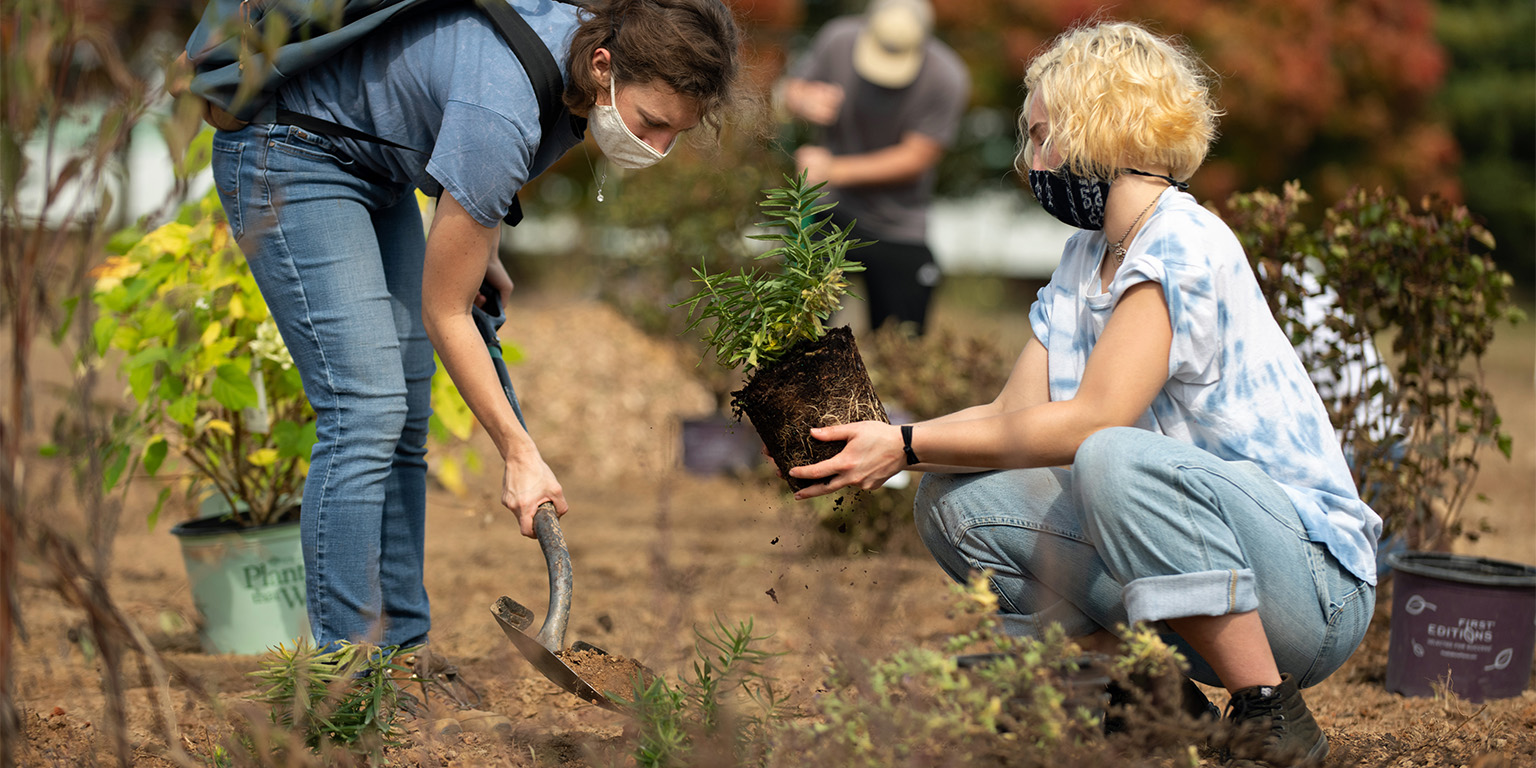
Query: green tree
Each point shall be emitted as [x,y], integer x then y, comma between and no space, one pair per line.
[1490,101]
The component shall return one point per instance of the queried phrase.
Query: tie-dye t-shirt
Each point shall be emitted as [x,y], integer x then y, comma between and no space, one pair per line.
[1235,385]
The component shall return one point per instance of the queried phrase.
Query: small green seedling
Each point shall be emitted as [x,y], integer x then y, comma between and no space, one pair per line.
[759,313]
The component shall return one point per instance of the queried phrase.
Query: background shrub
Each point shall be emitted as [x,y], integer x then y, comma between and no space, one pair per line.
[1418,281]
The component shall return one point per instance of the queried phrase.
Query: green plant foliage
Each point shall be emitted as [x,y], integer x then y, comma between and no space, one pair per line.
[210,380]
[728,705]
[454,458]
[1421,278]
[1032,702]
[346,697]
[759,314]
[208,375]
[1024,702]
[1487,102]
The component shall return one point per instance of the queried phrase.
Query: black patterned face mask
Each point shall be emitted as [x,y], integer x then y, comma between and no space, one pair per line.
[1079,200]
[1074,200]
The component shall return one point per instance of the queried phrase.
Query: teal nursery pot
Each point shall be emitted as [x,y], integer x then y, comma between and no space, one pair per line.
[247,584]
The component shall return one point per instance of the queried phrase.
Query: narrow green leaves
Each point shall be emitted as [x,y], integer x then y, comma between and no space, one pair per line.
[761,311]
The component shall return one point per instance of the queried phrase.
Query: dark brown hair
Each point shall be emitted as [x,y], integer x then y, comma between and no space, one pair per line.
[690,45]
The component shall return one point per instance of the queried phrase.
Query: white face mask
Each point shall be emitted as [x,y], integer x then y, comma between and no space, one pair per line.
[622,147]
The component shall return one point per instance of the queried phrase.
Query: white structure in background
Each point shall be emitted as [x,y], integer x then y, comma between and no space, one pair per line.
[147,168]
[998,232]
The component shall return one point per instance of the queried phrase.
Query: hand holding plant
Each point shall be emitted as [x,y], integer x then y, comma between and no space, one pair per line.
[773,322]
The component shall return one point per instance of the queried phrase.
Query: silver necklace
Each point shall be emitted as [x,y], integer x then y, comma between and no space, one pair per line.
[600,181]
[1119,246]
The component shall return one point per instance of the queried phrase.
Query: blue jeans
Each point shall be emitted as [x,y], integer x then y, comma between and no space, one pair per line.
[1147,528]
[339,261]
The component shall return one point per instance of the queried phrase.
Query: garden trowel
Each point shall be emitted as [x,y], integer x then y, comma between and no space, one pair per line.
[514,618]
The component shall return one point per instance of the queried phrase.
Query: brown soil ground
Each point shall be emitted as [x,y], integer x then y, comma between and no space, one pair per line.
[657,552]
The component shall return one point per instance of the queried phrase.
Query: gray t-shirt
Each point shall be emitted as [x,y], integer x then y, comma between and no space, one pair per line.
[447,84]
[874,117]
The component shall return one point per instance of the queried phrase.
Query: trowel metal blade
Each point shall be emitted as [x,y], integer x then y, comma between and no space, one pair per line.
[582,645]
[517,614]
[547,663]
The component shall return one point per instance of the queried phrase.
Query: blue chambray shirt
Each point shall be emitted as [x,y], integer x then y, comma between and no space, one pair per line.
[1236,387]
[445,83]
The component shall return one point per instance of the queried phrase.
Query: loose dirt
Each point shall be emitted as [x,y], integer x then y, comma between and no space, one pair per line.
[657,553]
[615,676]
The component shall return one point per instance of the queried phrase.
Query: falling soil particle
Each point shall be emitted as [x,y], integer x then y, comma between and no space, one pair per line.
[605,672]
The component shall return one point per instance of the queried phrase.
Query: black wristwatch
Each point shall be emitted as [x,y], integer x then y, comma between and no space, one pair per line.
[906,439]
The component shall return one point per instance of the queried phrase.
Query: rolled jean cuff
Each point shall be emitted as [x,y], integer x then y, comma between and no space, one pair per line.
[1207,593]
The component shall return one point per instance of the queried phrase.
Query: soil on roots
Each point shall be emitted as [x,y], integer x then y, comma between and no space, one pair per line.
[816,384]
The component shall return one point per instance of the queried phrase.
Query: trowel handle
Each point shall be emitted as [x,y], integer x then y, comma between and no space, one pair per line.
[546,525]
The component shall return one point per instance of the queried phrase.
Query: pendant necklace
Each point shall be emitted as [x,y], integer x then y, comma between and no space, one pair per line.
[1118,248]
[600,181]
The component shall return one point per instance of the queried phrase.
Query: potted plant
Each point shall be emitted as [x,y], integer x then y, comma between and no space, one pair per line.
[771,322]
[213,389]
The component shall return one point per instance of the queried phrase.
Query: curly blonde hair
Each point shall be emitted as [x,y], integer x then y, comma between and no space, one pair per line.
[1118,96]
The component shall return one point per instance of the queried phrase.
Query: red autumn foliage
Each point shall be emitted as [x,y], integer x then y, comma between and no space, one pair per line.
[1333,92]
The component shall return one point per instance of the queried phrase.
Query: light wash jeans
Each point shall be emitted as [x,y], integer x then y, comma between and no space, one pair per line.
[339,261]
[1146,528]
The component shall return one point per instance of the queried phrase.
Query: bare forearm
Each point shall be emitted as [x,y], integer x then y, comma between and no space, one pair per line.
[1041,436]
[893,165]
[966,414]
[458,253]
[463,352]
[1025,387]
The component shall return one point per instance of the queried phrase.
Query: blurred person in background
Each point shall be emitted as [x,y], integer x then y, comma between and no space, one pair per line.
[887,98]
[1164,456]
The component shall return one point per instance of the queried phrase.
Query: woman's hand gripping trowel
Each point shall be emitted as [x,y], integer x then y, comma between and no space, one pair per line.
[514,618]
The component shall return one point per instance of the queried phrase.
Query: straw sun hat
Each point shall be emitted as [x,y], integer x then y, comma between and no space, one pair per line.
[889,49]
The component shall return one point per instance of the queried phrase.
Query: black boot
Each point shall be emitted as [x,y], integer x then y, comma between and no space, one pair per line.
[1273,727]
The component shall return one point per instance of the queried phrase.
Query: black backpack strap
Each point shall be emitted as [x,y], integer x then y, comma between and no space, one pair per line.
[328,128]
[538,62]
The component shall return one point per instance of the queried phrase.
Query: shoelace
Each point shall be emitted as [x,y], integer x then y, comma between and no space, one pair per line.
[1242,709]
